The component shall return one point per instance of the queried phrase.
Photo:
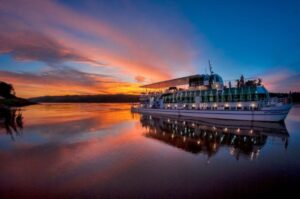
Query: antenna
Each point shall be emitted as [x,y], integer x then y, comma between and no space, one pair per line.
[210,67]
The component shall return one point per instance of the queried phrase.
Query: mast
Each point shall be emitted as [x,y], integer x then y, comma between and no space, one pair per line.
[210,68]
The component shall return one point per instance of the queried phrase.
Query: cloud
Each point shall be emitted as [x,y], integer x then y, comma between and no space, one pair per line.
[63,81]
[26,45]
[282,81]
[140,79]
[148,47]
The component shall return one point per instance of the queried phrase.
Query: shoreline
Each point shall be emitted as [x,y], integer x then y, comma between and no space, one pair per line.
[15,102]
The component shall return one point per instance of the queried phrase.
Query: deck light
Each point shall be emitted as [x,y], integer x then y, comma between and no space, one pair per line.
[239,104]
[252,156]
[214,146]
[232,150]
[226,105]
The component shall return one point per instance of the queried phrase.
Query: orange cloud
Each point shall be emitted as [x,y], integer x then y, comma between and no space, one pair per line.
[140,78]
[138,51]
[65,81]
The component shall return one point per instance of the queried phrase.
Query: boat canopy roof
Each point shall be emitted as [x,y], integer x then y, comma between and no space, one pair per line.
[175,82]
[171,82]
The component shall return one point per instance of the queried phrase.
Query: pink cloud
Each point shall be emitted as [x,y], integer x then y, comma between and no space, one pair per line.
[64,81]
[282,81]
[150,52]
[140,78]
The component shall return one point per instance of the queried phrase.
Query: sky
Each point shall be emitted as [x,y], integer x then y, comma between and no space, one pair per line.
[65,47]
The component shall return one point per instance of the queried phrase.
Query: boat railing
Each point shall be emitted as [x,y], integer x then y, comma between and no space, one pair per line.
[273,101]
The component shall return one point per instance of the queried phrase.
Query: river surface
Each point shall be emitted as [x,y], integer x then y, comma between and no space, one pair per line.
[105,151]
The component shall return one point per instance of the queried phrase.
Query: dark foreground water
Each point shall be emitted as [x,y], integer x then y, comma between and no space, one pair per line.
[104,151]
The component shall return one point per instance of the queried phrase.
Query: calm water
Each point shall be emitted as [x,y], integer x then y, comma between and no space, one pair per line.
[104,151]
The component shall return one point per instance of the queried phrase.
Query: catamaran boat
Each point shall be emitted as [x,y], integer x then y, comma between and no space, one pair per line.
[206,96]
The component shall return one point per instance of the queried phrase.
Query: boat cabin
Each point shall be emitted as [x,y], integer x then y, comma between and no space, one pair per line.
[204,92]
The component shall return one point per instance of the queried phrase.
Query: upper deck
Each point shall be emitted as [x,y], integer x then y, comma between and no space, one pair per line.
[213,81]
[207,88]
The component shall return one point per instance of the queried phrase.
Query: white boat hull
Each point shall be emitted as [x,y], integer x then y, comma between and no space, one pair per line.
[274,114]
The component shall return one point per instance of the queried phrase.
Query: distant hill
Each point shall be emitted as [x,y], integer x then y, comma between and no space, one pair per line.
[104,98]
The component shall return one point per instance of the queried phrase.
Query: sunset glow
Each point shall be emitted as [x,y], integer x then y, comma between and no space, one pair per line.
[80,47]
[149,98]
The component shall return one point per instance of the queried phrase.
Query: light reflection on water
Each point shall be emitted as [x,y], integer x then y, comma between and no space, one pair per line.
[102,150]
[206,136]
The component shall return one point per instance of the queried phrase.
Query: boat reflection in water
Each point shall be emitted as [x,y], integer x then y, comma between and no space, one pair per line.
[11,121]
[207,136]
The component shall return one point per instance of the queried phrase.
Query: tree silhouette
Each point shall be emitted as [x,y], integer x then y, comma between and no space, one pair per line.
[7,90]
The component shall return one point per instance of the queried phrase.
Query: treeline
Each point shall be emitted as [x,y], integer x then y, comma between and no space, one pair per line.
[104,98]
[114,98]
[7,91]
[8,97]
[294,95]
